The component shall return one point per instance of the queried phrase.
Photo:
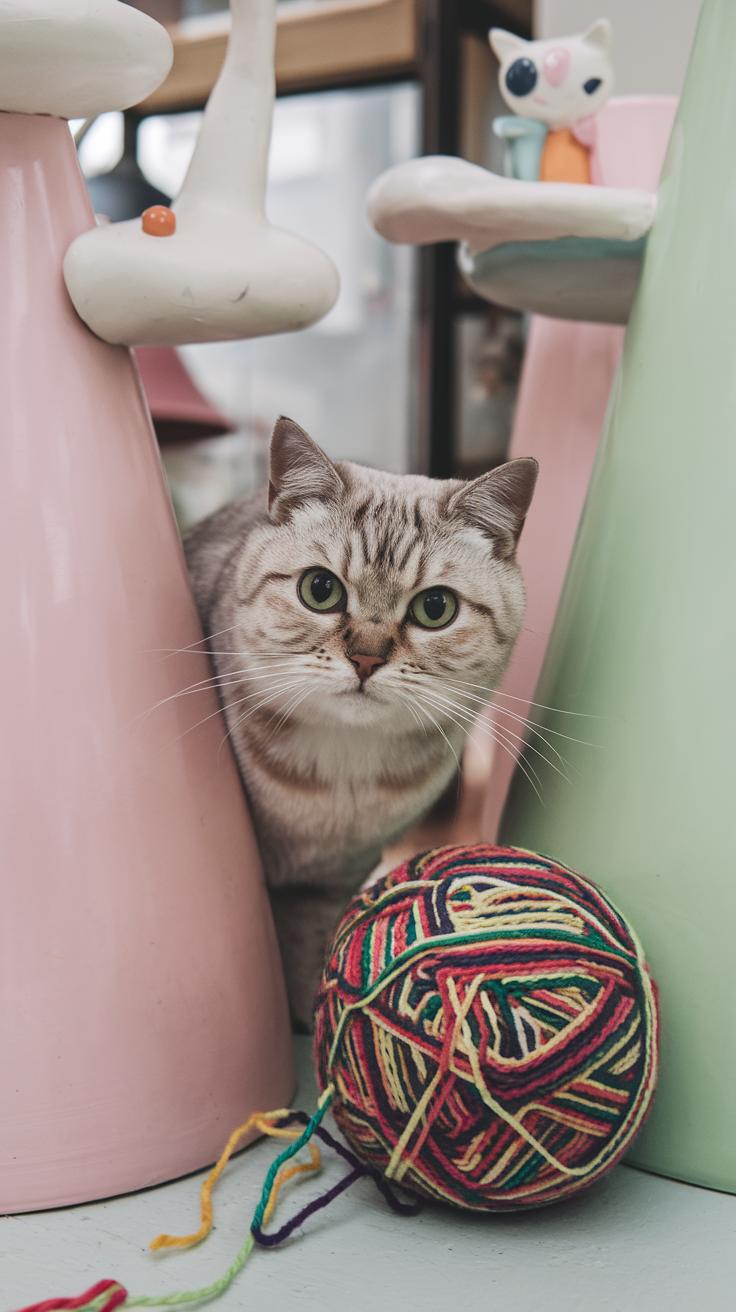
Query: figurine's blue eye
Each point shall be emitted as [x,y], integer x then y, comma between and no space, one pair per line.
[521,77]
[592,85]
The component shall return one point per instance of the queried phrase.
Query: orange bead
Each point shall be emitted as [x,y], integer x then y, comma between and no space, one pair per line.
[159,221]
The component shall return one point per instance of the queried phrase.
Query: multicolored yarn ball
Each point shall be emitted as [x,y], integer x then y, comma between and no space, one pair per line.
[488,1025]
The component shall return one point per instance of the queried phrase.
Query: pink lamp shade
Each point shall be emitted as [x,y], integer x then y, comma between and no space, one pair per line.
[179,411]
[142,1006]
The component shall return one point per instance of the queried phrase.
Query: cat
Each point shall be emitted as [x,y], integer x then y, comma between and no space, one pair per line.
[358,621]
[558,85]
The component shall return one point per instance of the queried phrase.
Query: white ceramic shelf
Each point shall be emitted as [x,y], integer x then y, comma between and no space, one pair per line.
[636,1242]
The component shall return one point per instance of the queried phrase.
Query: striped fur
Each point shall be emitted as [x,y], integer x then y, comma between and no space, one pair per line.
[335,771]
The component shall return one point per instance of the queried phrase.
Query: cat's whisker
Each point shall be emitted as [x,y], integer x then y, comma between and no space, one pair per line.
[540,706]
[220,711]
[408,703]
[273,692]
[520,745]
[205,685]
[487,702]
[235,651]
[526,768]
[247,714]
[541,733]
[529,726]
[166,652]
[522,719]
[528,729]
[259,655]
[292,706]
[420,704]
[254,673]
[496,732]
[496,736]
[279,684]
[220,680]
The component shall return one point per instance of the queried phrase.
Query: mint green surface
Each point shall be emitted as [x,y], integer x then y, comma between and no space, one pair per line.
[646,636]
[589,278]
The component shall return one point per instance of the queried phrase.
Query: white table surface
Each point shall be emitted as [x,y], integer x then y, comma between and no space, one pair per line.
[635,1242]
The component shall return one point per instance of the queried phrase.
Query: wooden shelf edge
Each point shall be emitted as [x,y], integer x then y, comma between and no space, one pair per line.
[319,43]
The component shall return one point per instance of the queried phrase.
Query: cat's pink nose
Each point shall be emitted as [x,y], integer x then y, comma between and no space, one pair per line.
[366,665]
[556,65]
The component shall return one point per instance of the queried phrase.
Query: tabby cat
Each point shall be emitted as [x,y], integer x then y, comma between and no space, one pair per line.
[358,621]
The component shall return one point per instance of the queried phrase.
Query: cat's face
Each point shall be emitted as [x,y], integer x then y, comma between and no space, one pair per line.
[557,82]
[375,597]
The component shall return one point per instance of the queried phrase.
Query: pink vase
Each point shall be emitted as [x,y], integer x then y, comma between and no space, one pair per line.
[568,372]
[142,1008]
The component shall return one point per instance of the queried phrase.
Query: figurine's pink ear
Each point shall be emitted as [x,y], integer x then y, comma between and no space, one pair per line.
[505,43]
[585,131]
[599,34]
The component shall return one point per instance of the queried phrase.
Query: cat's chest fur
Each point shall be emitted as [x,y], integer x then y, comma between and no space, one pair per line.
[326,803]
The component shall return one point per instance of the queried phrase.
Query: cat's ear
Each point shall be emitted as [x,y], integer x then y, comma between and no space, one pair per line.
[599,34]
[497,502]
[300,471]
[504,43]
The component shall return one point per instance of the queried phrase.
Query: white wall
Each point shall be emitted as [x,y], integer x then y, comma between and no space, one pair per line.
[652,38]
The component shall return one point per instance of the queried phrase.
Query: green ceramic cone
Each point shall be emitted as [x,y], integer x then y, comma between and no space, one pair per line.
[646,636]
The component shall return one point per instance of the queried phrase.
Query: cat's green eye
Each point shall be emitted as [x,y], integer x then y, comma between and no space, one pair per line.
[319,589]
[434,608]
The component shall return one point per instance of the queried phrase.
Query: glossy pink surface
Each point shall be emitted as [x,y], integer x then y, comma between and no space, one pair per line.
[568,372]
[556,65]
[142,1010]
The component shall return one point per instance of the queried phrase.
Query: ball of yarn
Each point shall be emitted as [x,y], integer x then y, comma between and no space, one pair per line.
[489,1026]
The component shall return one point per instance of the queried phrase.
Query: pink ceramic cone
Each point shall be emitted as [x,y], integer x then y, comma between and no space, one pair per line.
[568,372]
[142,1010]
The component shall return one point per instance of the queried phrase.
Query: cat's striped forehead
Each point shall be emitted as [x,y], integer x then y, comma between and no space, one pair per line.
[387,534]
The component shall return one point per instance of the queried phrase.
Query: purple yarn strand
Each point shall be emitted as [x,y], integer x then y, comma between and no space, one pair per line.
[395,1203]
[278,1236]
[358,1171]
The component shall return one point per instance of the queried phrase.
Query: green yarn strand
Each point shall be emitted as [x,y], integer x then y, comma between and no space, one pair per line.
[290,1151]
[206,1293]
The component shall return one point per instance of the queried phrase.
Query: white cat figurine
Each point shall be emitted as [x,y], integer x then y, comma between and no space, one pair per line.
[555,87]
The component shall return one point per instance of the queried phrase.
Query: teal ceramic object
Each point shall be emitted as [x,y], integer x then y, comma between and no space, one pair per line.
[523,140]
[586,278]
[646,635]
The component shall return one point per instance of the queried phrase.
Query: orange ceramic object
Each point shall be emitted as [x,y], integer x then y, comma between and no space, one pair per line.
[564,158]
[159,221]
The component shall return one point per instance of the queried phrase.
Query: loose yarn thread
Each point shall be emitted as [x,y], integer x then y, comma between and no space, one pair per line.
[107,1295]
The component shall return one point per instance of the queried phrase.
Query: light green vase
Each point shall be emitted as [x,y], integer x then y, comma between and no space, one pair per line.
[646,636]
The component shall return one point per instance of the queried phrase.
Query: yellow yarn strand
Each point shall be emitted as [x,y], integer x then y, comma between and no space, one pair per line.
[263,1122]
[288,1173]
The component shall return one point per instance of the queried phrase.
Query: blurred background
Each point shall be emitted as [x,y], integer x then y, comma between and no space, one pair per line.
[409,371]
